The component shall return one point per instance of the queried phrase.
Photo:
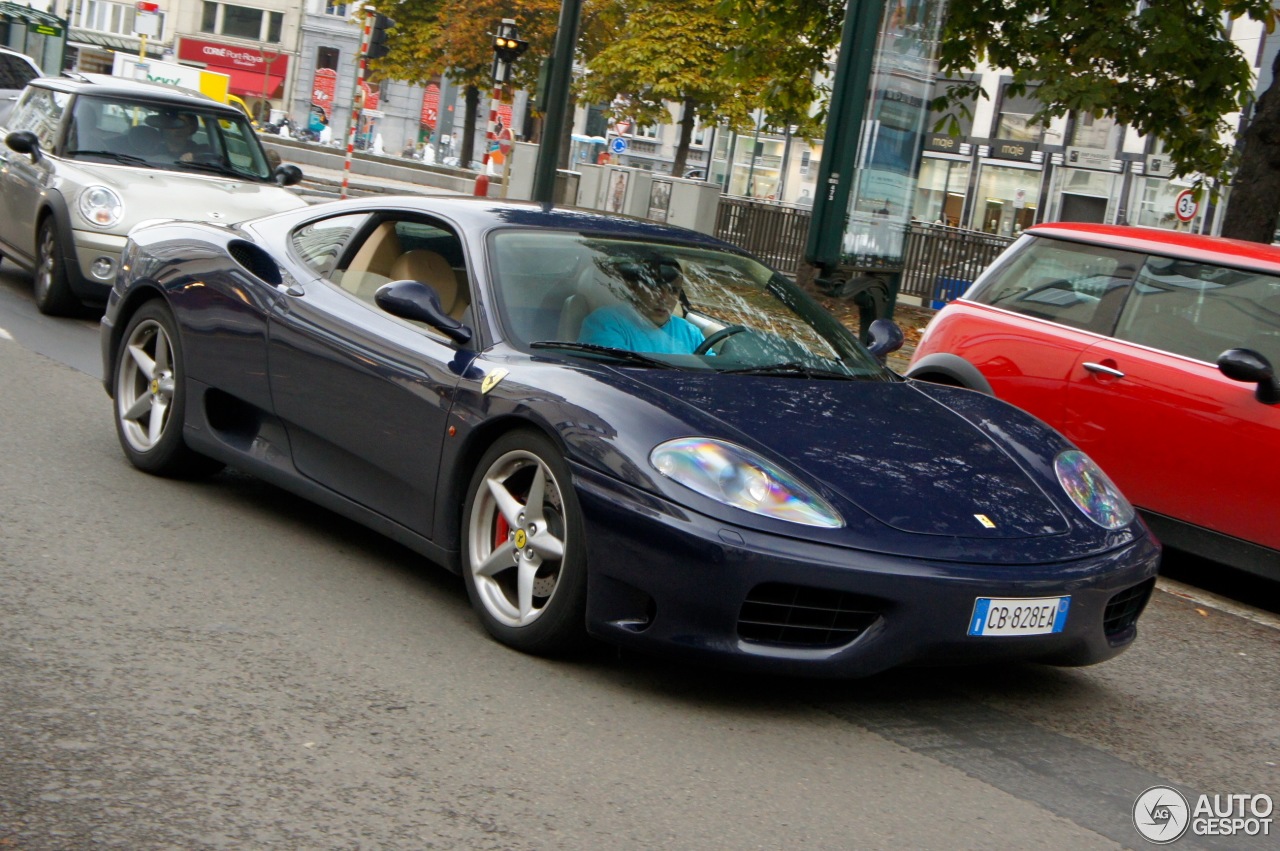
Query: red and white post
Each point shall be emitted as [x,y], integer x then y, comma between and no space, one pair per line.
[490,141]
[357,99]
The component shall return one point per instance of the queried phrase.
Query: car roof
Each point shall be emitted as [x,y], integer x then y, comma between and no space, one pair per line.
[104,84]
[1213,250]
[30,61]
[481,214]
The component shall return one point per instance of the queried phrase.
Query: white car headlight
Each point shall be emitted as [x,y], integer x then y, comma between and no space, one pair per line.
[1091,490]
[101,207]
[734,476]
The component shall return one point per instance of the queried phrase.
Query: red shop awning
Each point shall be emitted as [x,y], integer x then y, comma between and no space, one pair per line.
[251,83]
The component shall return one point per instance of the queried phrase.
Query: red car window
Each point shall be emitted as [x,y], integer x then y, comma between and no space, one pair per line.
[1083,286]
[1200,311]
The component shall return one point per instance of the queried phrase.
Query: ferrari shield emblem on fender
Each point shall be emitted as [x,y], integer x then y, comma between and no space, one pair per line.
[985,521]
[491,380]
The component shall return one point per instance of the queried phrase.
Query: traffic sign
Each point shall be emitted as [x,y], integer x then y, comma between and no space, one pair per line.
[618,146]
[1185,206]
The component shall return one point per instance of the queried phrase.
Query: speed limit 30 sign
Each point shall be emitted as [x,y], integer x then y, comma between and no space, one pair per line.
[1185,206]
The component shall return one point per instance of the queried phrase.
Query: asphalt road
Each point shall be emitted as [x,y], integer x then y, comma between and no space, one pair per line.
[218,665]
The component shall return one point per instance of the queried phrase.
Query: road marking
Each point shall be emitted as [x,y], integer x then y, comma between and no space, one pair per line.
[5,335]
[1213,601]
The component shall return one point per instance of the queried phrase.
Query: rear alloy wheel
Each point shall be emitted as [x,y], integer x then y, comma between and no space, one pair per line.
[52,292]
[150,397]
[523,547]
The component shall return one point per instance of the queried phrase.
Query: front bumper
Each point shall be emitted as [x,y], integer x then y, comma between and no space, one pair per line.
[666,579]
[90,246]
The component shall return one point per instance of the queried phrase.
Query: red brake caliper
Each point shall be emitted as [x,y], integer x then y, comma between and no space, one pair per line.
[500,531]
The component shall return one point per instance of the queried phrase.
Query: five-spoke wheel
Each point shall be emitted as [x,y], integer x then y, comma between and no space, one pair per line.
[150,397]
[523,546]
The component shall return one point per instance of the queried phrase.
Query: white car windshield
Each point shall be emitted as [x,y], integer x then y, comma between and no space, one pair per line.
[176,137]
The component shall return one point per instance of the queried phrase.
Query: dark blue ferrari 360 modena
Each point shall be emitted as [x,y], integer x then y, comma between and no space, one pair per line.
[621,430]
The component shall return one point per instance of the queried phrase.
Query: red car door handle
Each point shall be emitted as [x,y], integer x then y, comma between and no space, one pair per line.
[1101,369]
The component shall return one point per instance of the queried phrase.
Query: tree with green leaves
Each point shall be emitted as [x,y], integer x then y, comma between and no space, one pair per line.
[647,54]
[666,52]
[1167,69]
[453,38]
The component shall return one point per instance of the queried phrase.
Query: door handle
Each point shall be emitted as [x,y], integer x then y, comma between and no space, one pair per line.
[1101,369]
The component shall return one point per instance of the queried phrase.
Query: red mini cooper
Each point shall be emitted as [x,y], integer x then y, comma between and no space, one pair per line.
[1153,351]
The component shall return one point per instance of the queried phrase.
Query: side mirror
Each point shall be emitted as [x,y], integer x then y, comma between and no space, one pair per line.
[886,338]
[418,302]
[1250,367]
[288,174]
[24,142]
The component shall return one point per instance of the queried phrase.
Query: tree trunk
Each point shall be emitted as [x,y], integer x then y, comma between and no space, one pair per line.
[469,127]
[686,136]
[1254,204]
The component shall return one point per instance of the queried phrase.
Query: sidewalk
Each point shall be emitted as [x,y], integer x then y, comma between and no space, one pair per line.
[326,184]
[911,318]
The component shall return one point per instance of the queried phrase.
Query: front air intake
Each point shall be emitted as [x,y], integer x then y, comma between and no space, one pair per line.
[796,616]
[1123,609]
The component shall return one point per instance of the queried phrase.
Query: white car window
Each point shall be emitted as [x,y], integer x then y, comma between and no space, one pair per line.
[40,111]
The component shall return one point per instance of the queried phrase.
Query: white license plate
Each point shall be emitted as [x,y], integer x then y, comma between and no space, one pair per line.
[1037,616]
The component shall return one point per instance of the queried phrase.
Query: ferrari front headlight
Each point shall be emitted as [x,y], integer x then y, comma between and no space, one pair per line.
[1092,492]
[740,478]
[101,207]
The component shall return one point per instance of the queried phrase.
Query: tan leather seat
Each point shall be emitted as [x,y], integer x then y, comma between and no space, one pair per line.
[371,267]
[432,269]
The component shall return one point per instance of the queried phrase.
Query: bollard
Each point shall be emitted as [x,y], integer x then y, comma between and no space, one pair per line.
[482,186]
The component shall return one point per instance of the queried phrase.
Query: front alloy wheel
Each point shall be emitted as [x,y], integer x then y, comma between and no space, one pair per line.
[522,546]
[149,397]
[49,284]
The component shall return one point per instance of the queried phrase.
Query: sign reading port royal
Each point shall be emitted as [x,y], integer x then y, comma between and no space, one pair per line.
[1185,206]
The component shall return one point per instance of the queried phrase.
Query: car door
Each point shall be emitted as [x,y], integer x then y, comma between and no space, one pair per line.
[1041,307]
[364,395]
[22,181]
[1151,407]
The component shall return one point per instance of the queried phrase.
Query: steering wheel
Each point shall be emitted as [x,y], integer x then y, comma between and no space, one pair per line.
[727,331]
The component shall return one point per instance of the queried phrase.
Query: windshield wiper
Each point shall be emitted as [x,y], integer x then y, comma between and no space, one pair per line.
[789,368]
[212,167]
[119,157]
[610,351]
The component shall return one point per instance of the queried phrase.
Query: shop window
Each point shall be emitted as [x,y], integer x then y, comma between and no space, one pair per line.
[241,22]
[327,57]
[1014,121]
[1090,132]
[115,18]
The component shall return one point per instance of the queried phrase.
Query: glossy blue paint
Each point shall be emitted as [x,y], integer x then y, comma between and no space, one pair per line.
[379,419]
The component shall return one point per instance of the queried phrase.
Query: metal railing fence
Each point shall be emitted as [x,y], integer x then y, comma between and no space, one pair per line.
[938,262]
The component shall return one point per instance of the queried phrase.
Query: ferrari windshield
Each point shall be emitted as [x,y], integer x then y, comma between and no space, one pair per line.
[168,136]
[674,305]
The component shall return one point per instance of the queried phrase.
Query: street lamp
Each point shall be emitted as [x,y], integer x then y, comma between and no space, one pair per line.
[267,58]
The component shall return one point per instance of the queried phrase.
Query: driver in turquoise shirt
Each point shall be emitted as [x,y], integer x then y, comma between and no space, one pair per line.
[646,322]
